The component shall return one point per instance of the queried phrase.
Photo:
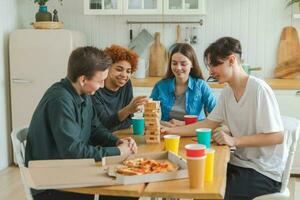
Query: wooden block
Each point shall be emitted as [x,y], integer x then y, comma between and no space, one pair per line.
[152,132]
[153,119]
[152,105]
[153,141]
[148,111]
[152,138]
[152,122]
[152,127]
[151,115]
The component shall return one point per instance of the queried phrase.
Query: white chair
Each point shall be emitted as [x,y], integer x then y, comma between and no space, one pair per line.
[18,138]
[292,131]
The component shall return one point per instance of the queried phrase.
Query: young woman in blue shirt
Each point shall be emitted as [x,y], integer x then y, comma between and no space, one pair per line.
[183,90]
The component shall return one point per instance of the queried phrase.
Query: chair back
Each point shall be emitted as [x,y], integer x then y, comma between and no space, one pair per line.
[291,135]
[18,138]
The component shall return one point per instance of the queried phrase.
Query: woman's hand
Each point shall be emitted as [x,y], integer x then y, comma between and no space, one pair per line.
[132,107]
[177,122]
[136,102]
[166,124]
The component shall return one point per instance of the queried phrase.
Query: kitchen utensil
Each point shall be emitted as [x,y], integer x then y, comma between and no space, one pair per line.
[178,34]
[141,42]
[288,57]
[187,35]
[158,57]
[193,37]
[178,39]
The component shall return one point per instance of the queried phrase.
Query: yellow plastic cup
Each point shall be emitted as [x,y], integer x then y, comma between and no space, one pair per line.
[209,164]
[172,143]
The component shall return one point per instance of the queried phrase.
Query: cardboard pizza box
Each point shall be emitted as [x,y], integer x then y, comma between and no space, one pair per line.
[71,173]
[165,155]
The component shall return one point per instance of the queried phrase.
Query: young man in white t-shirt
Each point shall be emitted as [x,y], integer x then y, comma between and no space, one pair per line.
[250,110]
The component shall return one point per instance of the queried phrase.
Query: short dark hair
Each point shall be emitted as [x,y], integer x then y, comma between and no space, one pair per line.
[221,49]
[188,51]
[87,61]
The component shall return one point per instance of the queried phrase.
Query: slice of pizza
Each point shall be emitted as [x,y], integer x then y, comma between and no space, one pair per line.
[133,162]
[130,171]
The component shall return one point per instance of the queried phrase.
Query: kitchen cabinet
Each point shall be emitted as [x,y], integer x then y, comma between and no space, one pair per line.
[289,102]
[184,7]
[142,7]
[289,105]
[137,91]
[103,7]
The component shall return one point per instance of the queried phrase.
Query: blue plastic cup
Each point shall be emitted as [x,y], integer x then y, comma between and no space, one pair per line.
[204,136]
[138,124]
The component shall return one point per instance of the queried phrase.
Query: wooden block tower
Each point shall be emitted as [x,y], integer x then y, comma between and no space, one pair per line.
[152,121]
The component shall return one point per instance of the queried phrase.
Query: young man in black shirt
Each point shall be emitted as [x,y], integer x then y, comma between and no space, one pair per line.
[65,125]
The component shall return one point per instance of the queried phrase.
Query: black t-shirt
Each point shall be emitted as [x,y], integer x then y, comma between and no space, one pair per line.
[107,104]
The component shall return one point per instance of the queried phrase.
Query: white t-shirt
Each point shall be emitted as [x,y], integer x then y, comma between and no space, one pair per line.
[257,111]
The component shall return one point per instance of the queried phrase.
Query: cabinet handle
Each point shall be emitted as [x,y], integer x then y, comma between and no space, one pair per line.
[21,81]
[298,92]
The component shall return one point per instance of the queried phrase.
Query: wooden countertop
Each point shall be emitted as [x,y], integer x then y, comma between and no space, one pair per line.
[276,84]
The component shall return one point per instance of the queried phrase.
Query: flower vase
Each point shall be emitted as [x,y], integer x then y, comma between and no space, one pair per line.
[43,14]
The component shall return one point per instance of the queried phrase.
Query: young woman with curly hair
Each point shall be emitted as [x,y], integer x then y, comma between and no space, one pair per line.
[115,103]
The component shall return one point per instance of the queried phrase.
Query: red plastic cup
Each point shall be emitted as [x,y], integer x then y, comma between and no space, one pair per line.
[190,119]
[195,150]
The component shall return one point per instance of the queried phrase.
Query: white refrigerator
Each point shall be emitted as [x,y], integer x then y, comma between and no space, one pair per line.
[38,58]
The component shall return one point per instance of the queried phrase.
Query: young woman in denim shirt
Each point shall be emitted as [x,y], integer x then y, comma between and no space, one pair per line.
[183,90]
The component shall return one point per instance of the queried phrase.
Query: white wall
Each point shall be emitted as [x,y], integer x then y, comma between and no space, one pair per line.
[257,23]
[8,22]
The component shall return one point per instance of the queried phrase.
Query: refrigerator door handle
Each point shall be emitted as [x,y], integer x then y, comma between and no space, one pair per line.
[21,81]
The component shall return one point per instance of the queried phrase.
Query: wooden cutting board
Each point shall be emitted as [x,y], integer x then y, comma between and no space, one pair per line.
[288,57]
[178,34]
[289,47]
[158,57]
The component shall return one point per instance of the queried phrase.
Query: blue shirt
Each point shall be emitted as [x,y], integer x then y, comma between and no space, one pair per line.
[198,96]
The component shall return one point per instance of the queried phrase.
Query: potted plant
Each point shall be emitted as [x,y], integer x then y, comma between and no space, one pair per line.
[43,14]
[291,2]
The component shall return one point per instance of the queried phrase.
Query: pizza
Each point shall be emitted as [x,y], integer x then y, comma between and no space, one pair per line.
[140,166]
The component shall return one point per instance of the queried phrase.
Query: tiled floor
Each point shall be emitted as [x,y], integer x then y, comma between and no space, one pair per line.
[11,187]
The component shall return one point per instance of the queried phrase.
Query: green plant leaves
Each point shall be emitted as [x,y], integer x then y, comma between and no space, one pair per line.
[292,2]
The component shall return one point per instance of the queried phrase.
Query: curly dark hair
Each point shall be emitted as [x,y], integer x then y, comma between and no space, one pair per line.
[118,53]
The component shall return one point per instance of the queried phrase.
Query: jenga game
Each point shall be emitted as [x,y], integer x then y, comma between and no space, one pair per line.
[152,121]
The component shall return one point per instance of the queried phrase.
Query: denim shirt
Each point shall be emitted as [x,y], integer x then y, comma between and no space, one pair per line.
[198,96]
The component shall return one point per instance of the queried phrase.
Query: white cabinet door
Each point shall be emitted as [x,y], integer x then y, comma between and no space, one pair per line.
[143,7]
[289,102]
[184,7]
[103,7]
